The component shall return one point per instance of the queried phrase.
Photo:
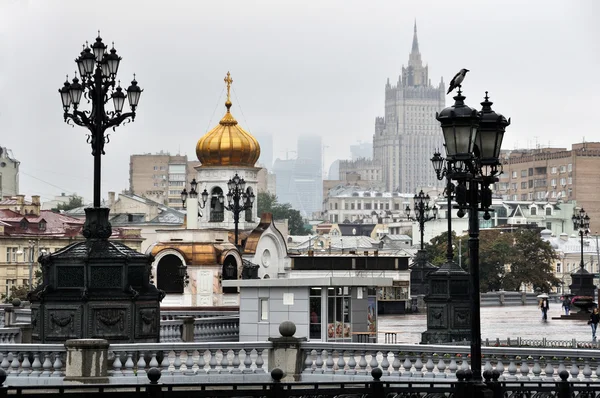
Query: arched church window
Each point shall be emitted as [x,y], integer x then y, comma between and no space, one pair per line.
[217,211]
[167,274]
[230,272]
[249,209]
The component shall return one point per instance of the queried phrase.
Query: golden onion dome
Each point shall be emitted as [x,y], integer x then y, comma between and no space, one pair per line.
[228,144]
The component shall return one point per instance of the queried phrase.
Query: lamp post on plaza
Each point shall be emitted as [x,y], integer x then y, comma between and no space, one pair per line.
[32,245]
[472,141]
[238,200]
[193,194]
[443,168]
[422,212]
[98,72]
[581,223]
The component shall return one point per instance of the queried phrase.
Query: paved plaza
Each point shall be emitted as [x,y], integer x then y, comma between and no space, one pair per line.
[497,322]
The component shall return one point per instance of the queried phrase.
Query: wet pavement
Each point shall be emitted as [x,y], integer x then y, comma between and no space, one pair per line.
[497,322]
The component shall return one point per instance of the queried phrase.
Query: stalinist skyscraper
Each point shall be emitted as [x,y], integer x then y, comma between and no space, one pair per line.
[407,136]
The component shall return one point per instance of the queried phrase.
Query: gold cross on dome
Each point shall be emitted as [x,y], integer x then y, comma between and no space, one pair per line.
[228,80]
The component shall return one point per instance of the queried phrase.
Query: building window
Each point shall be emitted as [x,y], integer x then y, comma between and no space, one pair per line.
[338,314]
[11,254]
[549,226]
[315,313]
[514,174]
[42,225]
[523,173]
[359,206]
[553,171]
[570,167]
[336,206]
[264,309]
[563,169]
[524,185]
[533,211]
[558,267]
[570,180]
[548,211]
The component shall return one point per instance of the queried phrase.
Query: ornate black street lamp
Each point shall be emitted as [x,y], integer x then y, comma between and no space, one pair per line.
[193,194]
[473,140]
[422,212]
[98,71]
[443,168]
[581,223]
[238,200]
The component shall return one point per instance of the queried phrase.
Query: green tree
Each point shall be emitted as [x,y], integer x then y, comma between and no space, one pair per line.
[267,203]
[436,249]
[495,251]
[73,203]
[531,262]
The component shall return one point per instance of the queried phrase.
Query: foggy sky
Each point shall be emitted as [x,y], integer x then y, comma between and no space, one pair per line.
[299,67]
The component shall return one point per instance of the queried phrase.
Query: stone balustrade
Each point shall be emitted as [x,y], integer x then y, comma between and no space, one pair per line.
[189,329]
[227,362]
[353,361]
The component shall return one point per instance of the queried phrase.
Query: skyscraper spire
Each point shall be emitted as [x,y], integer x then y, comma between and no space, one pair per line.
[415,44]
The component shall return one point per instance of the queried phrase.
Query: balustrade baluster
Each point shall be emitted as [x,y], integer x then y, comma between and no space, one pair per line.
[236,361]
[117,365]
[128,369]
[574,370]
[452,368]
[597,371]
[213,361]
[319,362]
[512,370]
[36,366]
[396,364]
[341,363]
[407,365]
[166,363]
[189,363]
[373,362]
[153,361]
[197,331]
[161,333]
[587,371]
[500,368]
[385,363]
[247,361]
[441,367]
[224,362]
[429,366]
[328,362]
[418,368]
[308,361]
[47,365]
[362,364]
[259,361]
[536,370]
[351,363]
[177,363]
[524,371]
[57,365]
[201,362]
[561,366]
[14,365]
[25,365]
[549,370]
[141,364]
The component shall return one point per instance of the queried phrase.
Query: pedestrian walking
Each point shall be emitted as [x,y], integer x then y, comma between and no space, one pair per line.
[594,319]
[544,307]
[566,305]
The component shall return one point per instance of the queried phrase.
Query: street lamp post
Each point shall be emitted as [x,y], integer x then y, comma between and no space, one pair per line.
[98,71]
[238,200]
[32,245]
[472,141]
[422,212]
[581,222]
[443,168]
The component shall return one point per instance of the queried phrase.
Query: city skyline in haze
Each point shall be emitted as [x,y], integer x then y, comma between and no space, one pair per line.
[315,68]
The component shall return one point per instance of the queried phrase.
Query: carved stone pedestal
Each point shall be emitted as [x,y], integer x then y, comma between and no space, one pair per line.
[96,289]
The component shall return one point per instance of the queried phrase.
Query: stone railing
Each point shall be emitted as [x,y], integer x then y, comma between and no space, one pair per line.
[169,314]
[353,361]
[189,329]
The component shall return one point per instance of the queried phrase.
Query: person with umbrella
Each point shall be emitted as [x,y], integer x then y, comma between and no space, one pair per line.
[544,306]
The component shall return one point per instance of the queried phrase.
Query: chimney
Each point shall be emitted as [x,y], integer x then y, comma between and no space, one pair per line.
[35,200]
[111,199]
[20,200]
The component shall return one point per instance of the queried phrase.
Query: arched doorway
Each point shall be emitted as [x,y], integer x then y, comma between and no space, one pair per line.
[167,274]
[230,272]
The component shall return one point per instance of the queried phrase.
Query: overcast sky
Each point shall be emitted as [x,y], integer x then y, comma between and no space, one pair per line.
[299,67]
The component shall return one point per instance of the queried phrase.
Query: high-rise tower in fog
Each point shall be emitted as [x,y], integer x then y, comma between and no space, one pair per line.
[407,136]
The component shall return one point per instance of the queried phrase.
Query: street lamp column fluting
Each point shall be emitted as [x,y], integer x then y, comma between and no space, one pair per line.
[472,141]
[581,223]
[238,201]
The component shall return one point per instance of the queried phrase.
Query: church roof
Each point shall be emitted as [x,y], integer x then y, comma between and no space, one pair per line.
[228,144]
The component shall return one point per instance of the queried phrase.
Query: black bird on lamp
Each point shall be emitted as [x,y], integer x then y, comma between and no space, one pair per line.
[457,80]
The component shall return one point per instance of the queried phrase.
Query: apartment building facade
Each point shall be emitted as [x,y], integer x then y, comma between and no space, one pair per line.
[554,175]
